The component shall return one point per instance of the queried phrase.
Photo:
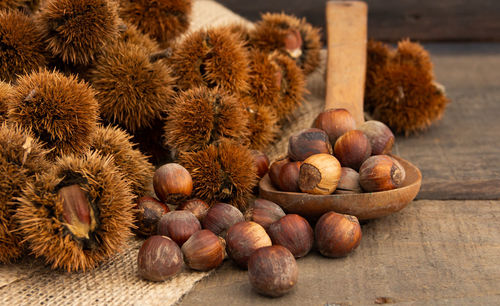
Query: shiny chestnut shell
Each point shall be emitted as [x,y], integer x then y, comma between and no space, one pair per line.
[336,234]
[264,212]
[294,233]
[179,225]
[220,217]
[243,239]
[203,251]
[159,258]
[308,142]
[352,149]
[171,182]
[335,122]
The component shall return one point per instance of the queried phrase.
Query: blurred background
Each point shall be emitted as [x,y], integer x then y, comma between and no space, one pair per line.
[390,20]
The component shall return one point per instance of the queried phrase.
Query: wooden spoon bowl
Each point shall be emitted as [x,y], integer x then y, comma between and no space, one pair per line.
[364,206]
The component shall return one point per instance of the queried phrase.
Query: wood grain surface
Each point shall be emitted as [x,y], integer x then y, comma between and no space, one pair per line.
[432,252]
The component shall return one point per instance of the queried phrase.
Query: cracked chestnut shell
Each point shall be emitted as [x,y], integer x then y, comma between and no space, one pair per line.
[319,174]
[308,142]
[379,173]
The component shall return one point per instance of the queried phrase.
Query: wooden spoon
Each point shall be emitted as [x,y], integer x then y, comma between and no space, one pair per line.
[346,70]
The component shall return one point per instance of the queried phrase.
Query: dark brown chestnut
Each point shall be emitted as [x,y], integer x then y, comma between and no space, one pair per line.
[159,258]
[336,234]
[172,182]
[308,142]
[220,217]
[261,162]
[289,177]
[274,170]
[335,122]
[203,251]
[243,239]
[349,182]
[294,233]
[196,206]
[178,225]
[352,149]
[273,271]
[149,212]
[379,173]
[264,212]
[380,136]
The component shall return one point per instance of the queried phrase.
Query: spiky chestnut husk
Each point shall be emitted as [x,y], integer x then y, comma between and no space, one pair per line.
[150,141]
[213,58]
[129,33]
[21,48]
[265,78]
[271,33]
[5,94]
[134,165]
[77,30]
[11,4]
[292,86]
[202,116]
[54,229]
[223,172]
[243,33]
[262,124]
[402,92]
[163,20]
[21,156]
[59,110]
[132,90]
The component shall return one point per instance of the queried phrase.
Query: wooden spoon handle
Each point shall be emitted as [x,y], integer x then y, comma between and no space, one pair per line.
[346,23]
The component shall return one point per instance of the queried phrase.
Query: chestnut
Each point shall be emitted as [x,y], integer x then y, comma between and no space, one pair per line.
[289,177]
[243,239]
[196,206]
[337,234]
[294,233]
[261,162]
[203,251]
[335,122]
[149,212]
[308,142]
[171,182]
[274,170]
[264,212]
[159,258]
[319,174]
[220,217]
[379,173]
[349,182]
[380,136]
[178,225]
[352,149]
[273,271]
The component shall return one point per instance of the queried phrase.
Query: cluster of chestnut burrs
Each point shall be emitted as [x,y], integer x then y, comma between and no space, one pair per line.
[264,240]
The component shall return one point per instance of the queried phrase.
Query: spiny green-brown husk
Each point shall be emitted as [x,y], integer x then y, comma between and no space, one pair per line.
[202,116]
[222,172]
[163,20]
[270,33]
[129,33]
[5,95]
[132,91]
[212,58]
[77,30]
[134,165]
[21,48]
[59,110]
[21,157]
[40,213]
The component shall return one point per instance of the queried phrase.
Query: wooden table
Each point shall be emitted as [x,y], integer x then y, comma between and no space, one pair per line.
[444,248]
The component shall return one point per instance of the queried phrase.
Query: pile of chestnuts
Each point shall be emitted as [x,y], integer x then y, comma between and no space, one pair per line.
[335,156]
[263,240]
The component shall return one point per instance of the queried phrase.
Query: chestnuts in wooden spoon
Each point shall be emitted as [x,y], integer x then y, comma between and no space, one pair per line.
[308,142]
[294,233]
[379,173]
[264,212]
[273,271]
[336,234]
[171,182]
[159,258]
[204,251]
[274,170]
[178,225]
[220,217]
[380,136]
[289,177]
[335,122]
[352,149]
[349,182]
[243,239]
[319,174]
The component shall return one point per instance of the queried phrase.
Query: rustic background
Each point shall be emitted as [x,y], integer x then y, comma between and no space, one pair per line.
[424,20]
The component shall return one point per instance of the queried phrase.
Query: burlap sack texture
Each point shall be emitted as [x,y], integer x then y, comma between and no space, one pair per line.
[117,282]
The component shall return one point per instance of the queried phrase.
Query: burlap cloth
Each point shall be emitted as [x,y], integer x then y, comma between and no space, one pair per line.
[117,282]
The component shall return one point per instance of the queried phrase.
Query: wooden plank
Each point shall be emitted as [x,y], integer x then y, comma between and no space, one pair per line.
[392,20]
[432,252]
